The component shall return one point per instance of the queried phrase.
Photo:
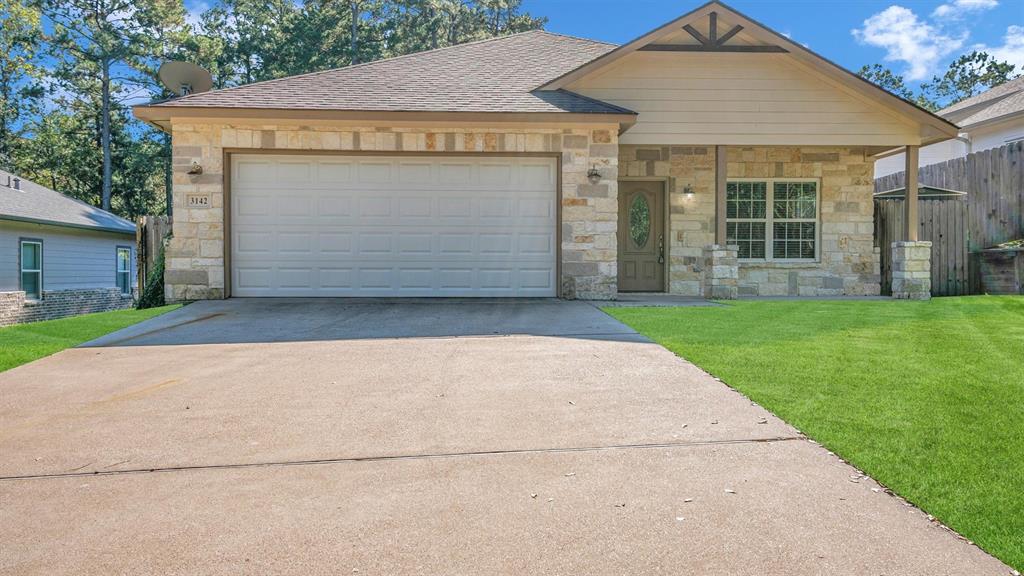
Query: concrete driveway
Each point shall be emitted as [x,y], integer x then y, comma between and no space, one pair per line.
[423,437]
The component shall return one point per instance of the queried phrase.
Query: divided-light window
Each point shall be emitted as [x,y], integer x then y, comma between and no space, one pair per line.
[31,268]
[773,219]
[124,271]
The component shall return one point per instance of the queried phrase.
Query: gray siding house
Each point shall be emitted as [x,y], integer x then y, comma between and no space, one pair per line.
[59,256]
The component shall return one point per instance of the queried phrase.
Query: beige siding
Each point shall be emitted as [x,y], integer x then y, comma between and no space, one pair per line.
[745,99]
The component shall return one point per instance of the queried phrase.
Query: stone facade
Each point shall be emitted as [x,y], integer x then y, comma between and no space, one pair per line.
[912,270]
[721,272]
[14,309]
[848,263]
[195,257]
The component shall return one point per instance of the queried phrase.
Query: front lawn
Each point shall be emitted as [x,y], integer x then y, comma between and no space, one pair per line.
[926,397]
[27,342]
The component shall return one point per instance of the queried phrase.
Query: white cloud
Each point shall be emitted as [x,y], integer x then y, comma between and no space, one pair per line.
[958,8]
[1011,51]
[906,38]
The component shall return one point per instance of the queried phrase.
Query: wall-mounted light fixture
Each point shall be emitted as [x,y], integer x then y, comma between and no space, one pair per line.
[195,169]
[594,175]
[688,192]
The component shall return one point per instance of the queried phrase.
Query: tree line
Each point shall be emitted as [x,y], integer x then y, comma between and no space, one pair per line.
[966,76]
[71,69]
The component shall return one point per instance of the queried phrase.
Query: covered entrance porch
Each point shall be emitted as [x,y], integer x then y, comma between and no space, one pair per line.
[726,221]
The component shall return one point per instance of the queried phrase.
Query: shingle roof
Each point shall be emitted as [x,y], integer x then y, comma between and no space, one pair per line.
[35,203]
[998,92]
[1009,105]
[495,75]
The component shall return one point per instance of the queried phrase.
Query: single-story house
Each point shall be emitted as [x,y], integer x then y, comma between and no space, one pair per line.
[988,120]
[708,157]
[60,256]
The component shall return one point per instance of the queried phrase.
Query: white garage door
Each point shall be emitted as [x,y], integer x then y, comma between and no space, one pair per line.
[392,226]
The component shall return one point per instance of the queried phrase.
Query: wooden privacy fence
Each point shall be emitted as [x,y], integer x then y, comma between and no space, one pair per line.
[150,232]
[944,224]
[990,214]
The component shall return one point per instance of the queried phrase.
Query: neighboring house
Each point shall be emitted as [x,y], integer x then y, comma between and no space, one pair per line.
[991,119]
[59,256]
[539,164]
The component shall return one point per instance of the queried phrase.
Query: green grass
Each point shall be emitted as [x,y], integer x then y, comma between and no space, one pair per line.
[926,397]
[27,342]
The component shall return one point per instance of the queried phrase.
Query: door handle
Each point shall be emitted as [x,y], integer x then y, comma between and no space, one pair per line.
[661,248]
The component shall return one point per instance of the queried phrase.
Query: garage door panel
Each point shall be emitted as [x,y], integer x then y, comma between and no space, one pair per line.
[335,244]
[393,226]
[412,173]
[334,172]
[374,172]
[456,173]
[415,244]
[295,171]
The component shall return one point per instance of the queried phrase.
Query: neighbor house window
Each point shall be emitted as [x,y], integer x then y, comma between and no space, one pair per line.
[124,269]
[31,263]
[773,219]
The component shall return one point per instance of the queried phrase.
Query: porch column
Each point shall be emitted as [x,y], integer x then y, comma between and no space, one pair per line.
[910,223]
[911,258]
[721,177]
[720,276]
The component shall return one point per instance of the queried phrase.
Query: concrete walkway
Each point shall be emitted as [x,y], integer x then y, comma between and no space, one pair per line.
[423,437]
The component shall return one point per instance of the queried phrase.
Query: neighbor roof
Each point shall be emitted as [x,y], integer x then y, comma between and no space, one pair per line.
[1003,101]
[1000,91]
[39,204]
[924,191]
[495,75]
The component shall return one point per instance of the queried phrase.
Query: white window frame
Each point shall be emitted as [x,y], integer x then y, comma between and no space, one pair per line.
[22,270]
[769,219]
[117,269]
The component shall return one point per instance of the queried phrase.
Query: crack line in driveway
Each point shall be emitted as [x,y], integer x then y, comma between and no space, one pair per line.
[399,457]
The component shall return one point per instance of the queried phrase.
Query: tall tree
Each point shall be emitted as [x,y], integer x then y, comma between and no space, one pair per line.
[20,74]
[967,76]
[892,82]
[102,39]
[245,38]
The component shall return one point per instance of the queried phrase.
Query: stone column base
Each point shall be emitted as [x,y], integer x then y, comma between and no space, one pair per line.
[720,277]
[912,270]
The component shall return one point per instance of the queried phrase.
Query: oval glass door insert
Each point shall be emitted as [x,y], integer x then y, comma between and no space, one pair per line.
[640,220]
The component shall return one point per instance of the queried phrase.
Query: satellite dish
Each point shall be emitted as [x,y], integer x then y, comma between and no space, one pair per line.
[184,78]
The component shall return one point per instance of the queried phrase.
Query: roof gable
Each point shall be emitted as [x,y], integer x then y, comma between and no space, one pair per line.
[715,27]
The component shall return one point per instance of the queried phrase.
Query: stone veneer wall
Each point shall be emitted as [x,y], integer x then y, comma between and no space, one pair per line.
[912,270]
[849,261]
[195,257]
[14,309]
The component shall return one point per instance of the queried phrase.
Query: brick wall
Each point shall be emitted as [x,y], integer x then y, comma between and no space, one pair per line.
[848,263]
[195,258]
[14,309]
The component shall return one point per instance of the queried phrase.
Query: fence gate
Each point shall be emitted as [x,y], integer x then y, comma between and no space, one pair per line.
[150,233]
[943,222]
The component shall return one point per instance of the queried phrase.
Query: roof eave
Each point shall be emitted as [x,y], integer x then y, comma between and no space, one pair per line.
[46,222]
[161,115]
[988,122]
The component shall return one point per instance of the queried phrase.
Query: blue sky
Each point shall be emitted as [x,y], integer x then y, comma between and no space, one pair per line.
[917,38]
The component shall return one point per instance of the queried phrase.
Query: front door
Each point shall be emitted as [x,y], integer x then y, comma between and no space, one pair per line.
[641,237]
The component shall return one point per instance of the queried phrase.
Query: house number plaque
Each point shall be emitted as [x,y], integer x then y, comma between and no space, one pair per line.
[198,200]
